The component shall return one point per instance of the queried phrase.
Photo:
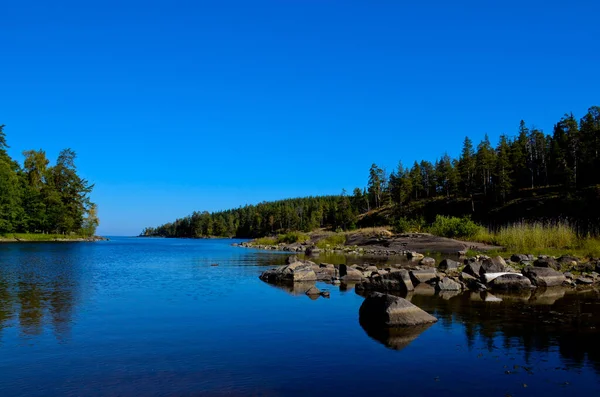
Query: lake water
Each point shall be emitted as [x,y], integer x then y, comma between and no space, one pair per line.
[152,317]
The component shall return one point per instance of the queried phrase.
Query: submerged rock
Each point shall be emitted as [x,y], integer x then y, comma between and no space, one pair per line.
[313,291]
[385,310]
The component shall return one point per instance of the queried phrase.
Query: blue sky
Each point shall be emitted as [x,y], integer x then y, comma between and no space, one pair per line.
[176,106]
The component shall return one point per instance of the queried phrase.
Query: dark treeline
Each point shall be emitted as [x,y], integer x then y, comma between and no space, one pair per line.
[39,198]
[303,214]
[566,159]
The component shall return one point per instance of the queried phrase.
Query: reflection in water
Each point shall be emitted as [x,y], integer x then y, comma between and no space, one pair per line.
[554,317]
[396,338]
[37,292]
[537,321]
[297,288]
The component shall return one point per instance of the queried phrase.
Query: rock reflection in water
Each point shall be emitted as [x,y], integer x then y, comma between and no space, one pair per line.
[396,338]
[566,318]
[296,289]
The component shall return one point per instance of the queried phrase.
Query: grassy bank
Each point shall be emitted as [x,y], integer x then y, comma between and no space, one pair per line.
[539,238]
[35,237]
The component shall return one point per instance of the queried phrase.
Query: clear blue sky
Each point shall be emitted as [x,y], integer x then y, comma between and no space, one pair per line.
[176,106]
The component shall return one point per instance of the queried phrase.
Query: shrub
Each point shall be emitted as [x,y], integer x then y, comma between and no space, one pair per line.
[404,225]
[332,241]
[453,227]
[292,237]
[264,241]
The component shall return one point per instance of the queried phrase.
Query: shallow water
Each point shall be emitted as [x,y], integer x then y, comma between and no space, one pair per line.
[153,317]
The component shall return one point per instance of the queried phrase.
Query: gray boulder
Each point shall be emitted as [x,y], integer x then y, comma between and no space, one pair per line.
[518,258]
[447,284]
[568,261]
[403,277]
[392,311]
[584,280]
[423,275]
[312,251]
[473,269]
[492,265]
[350,274]
[587,267]
[293,272]
[511,281]
[547,262]
[448,264]
[398,281]
[427,262]
[544,276]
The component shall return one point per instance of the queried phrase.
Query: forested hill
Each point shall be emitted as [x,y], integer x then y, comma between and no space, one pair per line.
[39,198]
[529,174]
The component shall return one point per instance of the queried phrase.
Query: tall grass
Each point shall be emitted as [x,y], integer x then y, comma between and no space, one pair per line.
[527,236]
[332,241]
[287,238]
[553,238]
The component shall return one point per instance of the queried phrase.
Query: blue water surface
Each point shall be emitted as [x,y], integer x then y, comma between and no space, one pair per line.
[156,317]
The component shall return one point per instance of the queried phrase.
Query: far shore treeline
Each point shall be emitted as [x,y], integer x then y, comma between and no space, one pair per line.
[528,176]
[39,198]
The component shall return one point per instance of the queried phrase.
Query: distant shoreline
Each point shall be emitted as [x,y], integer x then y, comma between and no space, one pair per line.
[49,238]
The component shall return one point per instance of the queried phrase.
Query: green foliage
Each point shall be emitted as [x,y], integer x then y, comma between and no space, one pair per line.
[555,238]
[292,237]
[39,198]
[40,236]
[405,225]
[488,175]
[333,240]
[453,227]
[265,241]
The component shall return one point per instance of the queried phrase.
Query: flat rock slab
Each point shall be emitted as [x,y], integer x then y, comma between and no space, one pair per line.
[392,311]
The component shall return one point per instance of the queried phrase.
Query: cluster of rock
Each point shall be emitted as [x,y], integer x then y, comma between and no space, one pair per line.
[296,271]
[313,250]
[483,273]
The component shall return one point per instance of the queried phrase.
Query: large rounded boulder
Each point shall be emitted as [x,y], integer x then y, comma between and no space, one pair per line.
[386,310]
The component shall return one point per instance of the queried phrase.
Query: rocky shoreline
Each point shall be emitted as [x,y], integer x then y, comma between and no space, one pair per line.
[519,274]
[382,245]
[539,280]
